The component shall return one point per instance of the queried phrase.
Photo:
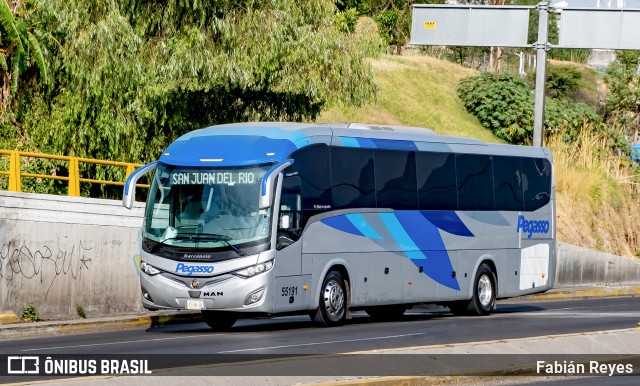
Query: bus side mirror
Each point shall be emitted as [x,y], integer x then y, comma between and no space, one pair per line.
[266,189]
[129,192]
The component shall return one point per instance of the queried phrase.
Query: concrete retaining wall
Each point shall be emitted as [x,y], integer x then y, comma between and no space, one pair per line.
[582,266]
[60,252]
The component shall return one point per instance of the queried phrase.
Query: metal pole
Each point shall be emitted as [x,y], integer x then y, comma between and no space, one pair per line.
[541,72]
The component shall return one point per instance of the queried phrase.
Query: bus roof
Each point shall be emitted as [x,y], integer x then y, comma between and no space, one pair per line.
[252,143]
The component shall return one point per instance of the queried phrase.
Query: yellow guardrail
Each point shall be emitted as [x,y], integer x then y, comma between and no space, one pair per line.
[15,174]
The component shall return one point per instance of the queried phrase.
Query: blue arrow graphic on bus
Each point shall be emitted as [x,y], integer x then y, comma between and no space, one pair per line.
[422,243]
[416,233]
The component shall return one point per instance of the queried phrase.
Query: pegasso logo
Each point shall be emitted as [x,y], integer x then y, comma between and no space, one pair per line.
[191,269]
[532,226]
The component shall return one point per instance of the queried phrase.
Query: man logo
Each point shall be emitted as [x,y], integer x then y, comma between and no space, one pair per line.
[195,284]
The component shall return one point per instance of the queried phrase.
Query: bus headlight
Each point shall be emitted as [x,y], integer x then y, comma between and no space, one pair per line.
[255,269]
[149,269]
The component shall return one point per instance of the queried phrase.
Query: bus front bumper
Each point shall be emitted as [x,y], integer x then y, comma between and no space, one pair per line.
[223,292]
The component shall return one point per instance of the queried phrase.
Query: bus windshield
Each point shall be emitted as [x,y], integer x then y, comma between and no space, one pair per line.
[207,208]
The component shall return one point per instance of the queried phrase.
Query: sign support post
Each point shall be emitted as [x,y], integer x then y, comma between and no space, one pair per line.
[541,72]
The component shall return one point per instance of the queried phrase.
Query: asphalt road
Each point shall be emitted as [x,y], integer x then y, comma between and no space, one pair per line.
[257,346]
[298,335]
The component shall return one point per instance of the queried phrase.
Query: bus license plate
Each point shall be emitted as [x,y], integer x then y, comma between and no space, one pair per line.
[195,304]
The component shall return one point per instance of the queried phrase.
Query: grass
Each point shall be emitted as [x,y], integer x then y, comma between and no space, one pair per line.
[416,91]
[598,193]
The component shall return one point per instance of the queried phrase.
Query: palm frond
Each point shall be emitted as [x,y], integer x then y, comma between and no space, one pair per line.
[3,63]
[8,23]
[36,52]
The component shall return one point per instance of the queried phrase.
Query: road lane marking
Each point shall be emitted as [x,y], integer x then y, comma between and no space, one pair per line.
[206,335]
[495,341]
[321,343]
[114,343]
[621,314]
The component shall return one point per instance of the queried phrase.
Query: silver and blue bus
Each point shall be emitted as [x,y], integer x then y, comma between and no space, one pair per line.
[256,219]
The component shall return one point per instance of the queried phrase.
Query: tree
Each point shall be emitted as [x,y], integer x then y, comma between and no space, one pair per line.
[561,80]
[621,105]
[19,49]
[132,75]
[394,22]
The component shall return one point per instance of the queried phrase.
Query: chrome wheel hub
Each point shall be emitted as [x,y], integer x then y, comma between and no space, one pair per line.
[485,291]
[333,299]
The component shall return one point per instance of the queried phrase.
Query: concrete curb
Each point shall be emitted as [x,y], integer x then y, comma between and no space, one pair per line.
[8,317]
[411,381]
[594,292]
[27,329]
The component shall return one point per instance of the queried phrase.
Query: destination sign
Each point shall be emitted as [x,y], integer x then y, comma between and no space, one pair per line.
[211,178]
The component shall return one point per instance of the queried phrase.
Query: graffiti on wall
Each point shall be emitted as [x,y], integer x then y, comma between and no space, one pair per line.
[45,263]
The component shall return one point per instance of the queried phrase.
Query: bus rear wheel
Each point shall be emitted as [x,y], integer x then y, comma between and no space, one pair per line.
[484,295]
[332,307]
[219,321]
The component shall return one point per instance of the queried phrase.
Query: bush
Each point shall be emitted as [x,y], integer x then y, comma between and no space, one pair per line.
[562,81]
[567,118]
[504,104]
[30,313]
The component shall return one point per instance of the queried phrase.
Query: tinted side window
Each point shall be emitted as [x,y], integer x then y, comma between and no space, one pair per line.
[536,182]
[312,165]
[352,178]
[507,183]
[436,178]
[395,175]
[475,182]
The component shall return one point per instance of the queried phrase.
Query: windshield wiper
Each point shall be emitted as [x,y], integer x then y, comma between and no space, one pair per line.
[238,250]
[155,246]
[206,236]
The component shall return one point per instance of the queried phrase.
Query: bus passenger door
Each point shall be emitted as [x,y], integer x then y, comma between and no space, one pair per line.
[288,244]
[289,292]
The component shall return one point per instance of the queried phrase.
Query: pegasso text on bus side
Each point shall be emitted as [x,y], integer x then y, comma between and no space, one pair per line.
[530,227]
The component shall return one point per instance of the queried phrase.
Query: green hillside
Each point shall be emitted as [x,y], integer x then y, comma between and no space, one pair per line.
[416,91]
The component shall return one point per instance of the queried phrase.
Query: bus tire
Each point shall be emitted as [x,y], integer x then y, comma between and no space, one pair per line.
[484,295]
[484,292]
[219,321]
[332,307]
[386,312]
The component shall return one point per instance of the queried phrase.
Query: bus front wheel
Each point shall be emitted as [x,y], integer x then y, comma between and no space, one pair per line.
[332,307]
[219,321]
